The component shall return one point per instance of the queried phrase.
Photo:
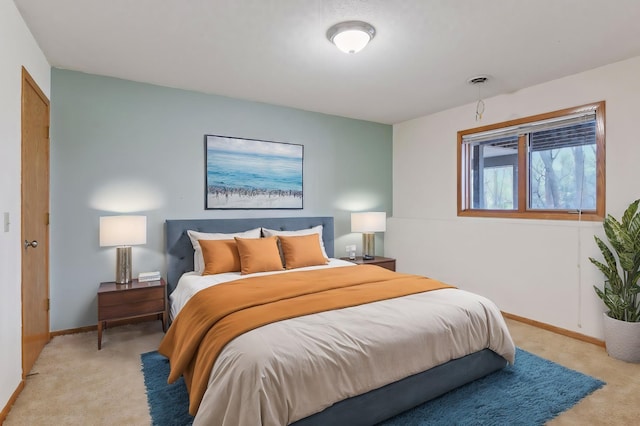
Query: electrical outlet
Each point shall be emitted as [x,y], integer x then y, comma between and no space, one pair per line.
[7,222]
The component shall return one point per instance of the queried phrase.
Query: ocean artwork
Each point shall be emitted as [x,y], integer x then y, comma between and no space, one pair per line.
[252,174]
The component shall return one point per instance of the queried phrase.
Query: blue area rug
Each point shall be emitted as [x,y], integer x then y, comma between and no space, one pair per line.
[531,392]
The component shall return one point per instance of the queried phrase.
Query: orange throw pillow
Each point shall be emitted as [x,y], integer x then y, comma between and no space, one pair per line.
[219,256]
[300,251]
[259,255]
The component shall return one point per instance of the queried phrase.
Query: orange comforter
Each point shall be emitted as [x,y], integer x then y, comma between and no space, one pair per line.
[218,314]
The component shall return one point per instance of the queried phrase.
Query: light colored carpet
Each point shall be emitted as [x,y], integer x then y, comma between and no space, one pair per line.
[75,384]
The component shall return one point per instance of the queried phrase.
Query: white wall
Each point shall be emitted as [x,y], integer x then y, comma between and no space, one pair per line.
[17,49]
[532,268]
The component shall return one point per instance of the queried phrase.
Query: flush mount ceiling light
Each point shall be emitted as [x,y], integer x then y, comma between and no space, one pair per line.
[351,36]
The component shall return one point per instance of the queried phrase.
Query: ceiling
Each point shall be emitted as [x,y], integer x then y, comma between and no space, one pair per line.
[275,51]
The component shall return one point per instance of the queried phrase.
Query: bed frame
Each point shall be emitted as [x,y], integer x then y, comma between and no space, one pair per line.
[366,409]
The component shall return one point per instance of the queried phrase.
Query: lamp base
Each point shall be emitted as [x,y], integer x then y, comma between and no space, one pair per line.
[123,265]
[368,246]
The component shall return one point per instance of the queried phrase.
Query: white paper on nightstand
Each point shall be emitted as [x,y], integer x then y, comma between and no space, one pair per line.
[149,276]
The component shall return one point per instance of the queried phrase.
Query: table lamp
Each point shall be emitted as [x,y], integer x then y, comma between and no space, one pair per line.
[123,232]
[368,223]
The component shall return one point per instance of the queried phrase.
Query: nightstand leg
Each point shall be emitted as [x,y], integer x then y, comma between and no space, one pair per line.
[99,335]
[164,321]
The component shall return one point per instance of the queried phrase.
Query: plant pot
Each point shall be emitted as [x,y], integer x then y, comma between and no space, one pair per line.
[622,339]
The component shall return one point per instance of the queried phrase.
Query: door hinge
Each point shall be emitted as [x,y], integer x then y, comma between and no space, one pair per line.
[48,304]
[47,132]
[47,219]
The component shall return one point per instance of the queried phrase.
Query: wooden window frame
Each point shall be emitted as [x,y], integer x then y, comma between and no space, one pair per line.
[464,171]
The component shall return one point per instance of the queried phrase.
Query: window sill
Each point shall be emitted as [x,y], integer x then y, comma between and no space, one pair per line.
[540,215]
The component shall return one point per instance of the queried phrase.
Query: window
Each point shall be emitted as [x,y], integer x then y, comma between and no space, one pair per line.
[549,166]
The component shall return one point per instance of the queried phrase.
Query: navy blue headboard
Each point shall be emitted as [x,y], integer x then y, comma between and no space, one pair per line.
[180,251]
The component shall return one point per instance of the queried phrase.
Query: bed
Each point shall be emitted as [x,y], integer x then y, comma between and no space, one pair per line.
[480,346]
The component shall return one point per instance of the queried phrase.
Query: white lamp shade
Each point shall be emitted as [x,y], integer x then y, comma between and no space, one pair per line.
[368,222]
[351,41]
[123,230]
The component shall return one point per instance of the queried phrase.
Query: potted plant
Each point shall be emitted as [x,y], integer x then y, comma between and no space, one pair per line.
[620,293]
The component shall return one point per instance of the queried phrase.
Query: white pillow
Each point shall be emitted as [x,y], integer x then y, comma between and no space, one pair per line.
[198,260]
[315,230]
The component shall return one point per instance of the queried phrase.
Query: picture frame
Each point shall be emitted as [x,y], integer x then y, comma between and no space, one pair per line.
[248,174]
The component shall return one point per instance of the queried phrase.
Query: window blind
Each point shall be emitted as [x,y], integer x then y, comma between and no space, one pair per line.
[585,118]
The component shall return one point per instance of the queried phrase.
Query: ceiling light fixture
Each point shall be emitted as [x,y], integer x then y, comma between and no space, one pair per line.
[351,36]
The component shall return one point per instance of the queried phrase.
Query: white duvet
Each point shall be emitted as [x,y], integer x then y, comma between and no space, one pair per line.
[285,371]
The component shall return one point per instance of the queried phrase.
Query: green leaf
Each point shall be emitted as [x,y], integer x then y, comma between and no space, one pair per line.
[606,270]
[607,254]
[629,213]
[612,230]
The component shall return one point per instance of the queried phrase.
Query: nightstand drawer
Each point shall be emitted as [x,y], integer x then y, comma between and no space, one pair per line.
[131,309]
[131,296]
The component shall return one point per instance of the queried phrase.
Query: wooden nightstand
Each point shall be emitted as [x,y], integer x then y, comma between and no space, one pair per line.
[122,301]
[385,262]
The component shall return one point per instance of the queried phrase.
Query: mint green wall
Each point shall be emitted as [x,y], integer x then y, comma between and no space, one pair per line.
[121,146]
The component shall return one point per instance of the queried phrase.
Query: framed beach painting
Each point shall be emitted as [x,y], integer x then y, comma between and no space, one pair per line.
[252,174]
